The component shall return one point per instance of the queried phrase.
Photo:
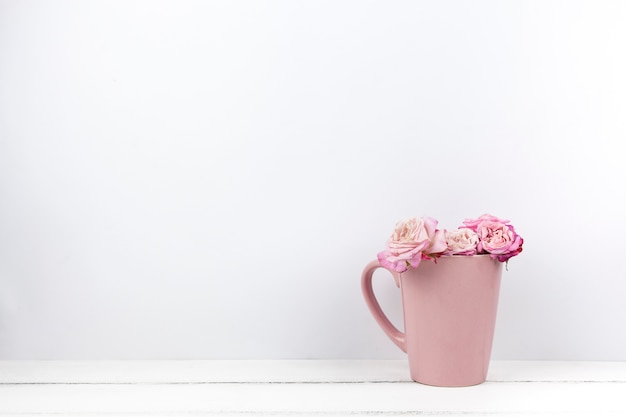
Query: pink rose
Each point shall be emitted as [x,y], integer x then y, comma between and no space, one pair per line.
[473,223]
[463,241]
[498,239]
[413,239]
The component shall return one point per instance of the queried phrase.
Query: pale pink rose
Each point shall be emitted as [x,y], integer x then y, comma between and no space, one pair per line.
[463,241]
[473,223]
[437,246]
[498,239]
[411,240]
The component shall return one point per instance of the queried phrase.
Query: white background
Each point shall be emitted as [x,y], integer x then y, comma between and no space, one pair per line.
[191,179]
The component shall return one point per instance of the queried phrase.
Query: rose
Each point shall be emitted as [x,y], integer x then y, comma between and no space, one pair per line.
[413,239]
[416,239]
[437,246]
[472,224]
[495,236]
[498,239]
[461,242]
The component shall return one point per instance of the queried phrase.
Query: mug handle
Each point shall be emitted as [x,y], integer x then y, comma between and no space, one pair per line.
[390,330]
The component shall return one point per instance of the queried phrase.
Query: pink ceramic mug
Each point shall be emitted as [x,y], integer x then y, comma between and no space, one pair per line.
[449,310]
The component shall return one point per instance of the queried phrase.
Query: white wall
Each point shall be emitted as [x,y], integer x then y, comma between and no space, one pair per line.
[187,179]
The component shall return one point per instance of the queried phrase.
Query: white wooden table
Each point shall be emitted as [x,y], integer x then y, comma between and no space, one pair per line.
[303,388]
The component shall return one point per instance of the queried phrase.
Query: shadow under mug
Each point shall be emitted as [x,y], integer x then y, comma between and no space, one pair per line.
[449,311]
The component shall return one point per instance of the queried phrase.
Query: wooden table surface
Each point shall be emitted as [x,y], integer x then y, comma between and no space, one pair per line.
[303,388]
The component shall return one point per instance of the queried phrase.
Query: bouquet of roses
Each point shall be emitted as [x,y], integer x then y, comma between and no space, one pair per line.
[417,238]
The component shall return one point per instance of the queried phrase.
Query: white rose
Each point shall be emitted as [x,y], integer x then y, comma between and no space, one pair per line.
[461,242]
